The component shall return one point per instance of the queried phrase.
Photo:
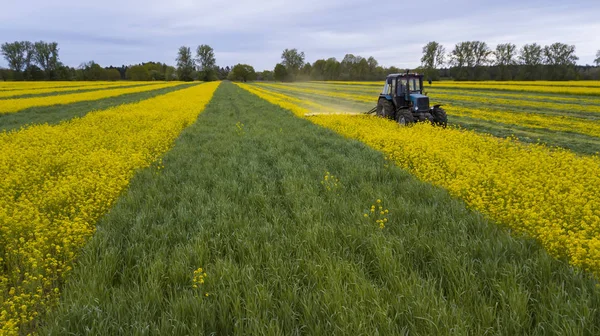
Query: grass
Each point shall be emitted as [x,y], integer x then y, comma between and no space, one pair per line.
[285,256]
[58,113]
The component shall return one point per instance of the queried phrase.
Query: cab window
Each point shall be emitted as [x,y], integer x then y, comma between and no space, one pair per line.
[402,83]
[386,89]
[416,85]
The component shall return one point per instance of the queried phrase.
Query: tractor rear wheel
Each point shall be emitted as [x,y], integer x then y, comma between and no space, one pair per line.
[385,108]
[439,117]
[405,118]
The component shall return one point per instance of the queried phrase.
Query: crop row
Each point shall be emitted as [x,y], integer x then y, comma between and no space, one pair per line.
[16,104]
[50,90]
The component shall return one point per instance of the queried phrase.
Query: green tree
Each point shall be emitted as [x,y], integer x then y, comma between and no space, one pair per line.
[505,60]
[306,69]
[91,71]
[243,72]
[65,73]
[266,75]
[362,69]
[461,58]
[46,56]
[156,71]
[332,69]
[15,53]
[531,60]
[597,60]
[481,53]
[185,64]
[170,73]
[35,73]
[205,58]
[223,72]
[293,61]
[113,74]
[373,65]
[560,60]
[347,67]
[433,57]
[30,71]
[280,72]
[318,70]
[137,73]
[469,58]
[6,74]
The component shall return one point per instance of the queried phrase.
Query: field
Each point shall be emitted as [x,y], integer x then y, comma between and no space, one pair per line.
[274,209]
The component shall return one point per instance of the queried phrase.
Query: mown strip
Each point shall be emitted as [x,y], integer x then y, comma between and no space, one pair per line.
[16,105]
[20,94]
[56,181]
[244,196]
[552,195]
[58,113]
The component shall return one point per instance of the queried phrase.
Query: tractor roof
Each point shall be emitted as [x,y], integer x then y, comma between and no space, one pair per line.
[405,75]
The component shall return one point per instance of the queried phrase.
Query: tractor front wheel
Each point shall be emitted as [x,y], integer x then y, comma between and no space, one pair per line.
[385,109]
[439,117]
[405,117]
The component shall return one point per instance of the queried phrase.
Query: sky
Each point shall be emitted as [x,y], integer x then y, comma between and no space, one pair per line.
[112,32]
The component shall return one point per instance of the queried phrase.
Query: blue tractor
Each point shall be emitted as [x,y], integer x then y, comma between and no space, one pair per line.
[402,99]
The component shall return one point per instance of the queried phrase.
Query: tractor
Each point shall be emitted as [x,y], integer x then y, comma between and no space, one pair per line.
[402,99]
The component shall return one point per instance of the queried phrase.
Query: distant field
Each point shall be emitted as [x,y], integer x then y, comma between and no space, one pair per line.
[524,109]
[275,209]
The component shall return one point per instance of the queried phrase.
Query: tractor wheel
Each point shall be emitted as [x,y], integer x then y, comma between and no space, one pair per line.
[385,108]
[405,118]
[439,117]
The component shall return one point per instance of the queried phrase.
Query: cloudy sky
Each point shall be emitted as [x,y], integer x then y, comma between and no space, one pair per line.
[113,32]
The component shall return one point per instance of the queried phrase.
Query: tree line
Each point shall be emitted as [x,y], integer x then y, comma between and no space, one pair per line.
[40,61]
[470,60]
[476,60]
[201,67]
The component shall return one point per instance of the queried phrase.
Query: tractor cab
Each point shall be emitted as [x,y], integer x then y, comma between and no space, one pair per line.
[402,99]
[406,91]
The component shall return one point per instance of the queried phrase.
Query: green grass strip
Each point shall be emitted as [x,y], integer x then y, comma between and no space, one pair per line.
[58,113]
[240,195]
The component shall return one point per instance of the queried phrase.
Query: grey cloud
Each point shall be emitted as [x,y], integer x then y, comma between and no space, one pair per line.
[132,31]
